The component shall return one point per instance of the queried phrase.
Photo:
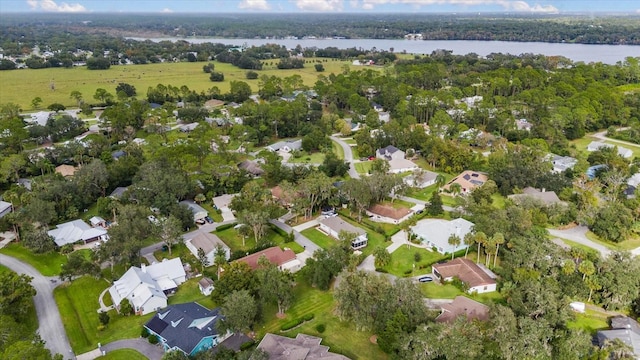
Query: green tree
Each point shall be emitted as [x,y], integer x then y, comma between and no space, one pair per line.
[319,67]
[125,307]
[103,96]
[170,231]
[56,107]
[128,89]
[276,286]
[104,318]
[219,258]
[435,204]
[77,96]
[454,240]
[16,294]
[237,276]
[382,257]
[239,310]
[36,102]
[38,241]
[78,265]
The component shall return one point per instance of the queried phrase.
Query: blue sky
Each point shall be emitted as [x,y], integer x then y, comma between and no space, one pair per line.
[279,6]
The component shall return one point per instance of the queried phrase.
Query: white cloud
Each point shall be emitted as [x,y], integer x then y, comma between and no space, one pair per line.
[52,6]
[514,5]
[166,10]
[254,5]
[320,5]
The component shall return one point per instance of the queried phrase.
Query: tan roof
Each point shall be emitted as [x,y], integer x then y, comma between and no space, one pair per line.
[66,170]
[303,347]
[336,224]
[546,197]
[390,212]
[274,254]
[205,282]
[462,305]
[466,270]
[207,242]
[213,103]
[468,180]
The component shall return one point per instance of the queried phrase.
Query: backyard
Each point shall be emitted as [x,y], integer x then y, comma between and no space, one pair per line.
[404,258]
[234,240]
[305,158]
[319,238]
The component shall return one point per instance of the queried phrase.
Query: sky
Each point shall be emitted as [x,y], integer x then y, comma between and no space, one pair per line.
[323,6]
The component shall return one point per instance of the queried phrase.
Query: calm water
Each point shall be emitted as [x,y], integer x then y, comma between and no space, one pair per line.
[609,54]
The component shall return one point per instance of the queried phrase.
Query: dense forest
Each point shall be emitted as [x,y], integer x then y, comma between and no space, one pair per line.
[548,28]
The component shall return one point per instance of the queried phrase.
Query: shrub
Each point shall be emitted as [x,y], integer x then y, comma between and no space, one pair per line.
[66,249]
[290,325]
[381,270]
[101,327]
[279,231]
[216,76]
[153,340]
[417,257]
[144,333]
[225,226]
[104,318]
[320,328]
[308,317]
[246,345]
[252,75]
[408,272]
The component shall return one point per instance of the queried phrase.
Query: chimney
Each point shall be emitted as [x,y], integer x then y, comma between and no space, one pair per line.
[543,190]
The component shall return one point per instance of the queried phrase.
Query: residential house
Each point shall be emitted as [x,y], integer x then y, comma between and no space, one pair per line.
[476,277]
[523,125]
[118,192]
[76,231]
[66,170]
[189,327]
[384,117]
[285,146]
[632,186]
[25,183]
[435,233]
[198,211]
[302,347]
[562,163]
[388,214]
[39,118]
[624,329]
[592,171]
[116,155]
[468,180]
[397,166]
[209,244]
[284,259]
[280,196]
[622,151]
[334,225]
[206,286]
[97,221]
[463,306]
[147,287]
[5,208]
[389,153]
[189,127]
[421,179]
[546,198]
[252,167]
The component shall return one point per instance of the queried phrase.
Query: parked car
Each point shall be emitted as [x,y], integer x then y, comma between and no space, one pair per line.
[200,221]
[425,279]
[209,219]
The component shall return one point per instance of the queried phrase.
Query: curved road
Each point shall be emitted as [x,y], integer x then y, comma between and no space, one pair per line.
[50,327]
[348,156]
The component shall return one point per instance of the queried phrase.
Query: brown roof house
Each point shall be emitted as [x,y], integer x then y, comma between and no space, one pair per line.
[66,170]
[546,198]
[468,180]
[476,277]
[303,347]
[463,306]
[208,243]
[283,259]
[388,214]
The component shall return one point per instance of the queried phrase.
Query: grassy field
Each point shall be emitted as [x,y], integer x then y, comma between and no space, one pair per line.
[188,292]
[123,354]
[78,303]
[18,83]
[591,321]
[338,150]
[233,239]
[306,158]
[582,143]
[402,261]
[319,238]
[629,244]
[48,264]
[309,300]
[363,167]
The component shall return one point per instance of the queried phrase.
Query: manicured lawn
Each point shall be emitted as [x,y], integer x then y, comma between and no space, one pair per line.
[423,194]
[375,239]
[363,167]
[181,251]
[337,149]
[188,292]
[585,248]
[123,354]
[624,245]
[212,212]
[437,291]
[234,240]
[385,228]
[319,238]
[37,82]
[78,304]
[306,158]
[48,264]
[341,337]
[591,321]
[403,260]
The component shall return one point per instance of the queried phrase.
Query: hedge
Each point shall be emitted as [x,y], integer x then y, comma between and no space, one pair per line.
[279,231]
[225,226]
[246,345]
[293,323]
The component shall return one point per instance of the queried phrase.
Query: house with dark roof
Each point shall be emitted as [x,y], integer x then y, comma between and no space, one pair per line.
[624,329]
[463,306]
[284,259]
[252,167]
[302,347]
[118,192]
[190,328]
[389,153]
[476,277]
[5,208]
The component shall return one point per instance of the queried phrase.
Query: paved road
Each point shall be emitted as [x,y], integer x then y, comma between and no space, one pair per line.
[50,327]
[348,156]
[578,234]
[152,352]
[603,136]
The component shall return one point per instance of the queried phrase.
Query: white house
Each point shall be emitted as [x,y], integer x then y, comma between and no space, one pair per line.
[622,151]
[435,233]
[389,153]
[146,287]
[75,231]
[198,211]
[208,243]
[5,208]
[334,225]
[286,146]
[562,163]
[397,166]
[476,277]
[421,179]
[206,286]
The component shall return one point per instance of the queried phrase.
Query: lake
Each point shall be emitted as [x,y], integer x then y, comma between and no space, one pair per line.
[608,54]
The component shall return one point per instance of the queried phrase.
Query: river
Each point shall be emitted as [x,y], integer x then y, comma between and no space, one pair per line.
[608,54]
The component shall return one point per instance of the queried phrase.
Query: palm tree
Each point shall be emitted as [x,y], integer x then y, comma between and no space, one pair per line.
[219,258]
[200,198]
[454,240]
[455,189]
[480,238]
[440,181]
[498,239]
[468,240]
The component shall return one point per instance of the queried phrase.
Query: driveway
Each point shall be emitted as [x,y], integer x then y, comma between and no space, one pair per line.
[302,240]
[578,234]
[152,352]
[348,156]
[50,327]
